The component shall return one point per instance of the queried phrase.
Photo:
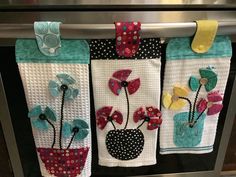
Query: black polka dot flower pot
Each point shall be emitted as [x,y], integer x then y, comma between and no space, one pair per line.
[125,144]
[63,162]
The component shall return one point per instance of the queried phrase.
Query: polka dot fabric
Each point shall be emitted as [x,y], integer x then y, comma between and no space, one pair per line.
[60,162]
[127,38]
[125,144]
[106,49]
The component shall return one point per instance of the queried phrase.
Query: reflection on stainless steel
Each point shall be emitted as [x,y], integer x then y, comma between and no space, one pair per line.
[72,17]
[110,17]
[103,2]
[97,31]
[96,18]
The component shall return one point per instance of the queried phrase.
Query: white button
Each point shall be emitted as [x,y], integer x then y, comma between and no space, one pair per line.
[51,50]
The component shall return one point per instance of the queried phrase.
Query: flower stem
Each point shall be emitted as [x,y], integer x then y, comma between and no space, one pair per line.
[195,101]
[199,116]
[190,108]
[127,98]
[54,133]
[113,125]
[71,140]
[141,124]
[61,121]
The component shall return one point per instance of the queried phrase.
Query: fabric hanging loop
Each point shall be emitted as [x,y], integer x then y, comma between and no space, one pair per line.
[48,37]
[204,36]
[127,38]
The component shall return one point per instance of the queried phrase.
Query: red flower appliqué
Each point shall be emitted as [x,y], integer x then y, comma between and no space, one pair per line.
[151,115]
[104,115]
[210,104]
[119,80]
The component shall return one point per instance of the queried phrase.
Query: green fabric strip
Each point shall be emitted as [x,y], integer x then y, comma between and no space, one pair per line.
[180,49]
[72,51]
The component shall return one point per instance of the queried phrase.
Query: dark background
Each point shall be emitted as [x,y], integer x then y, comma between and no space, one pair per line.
[174,163]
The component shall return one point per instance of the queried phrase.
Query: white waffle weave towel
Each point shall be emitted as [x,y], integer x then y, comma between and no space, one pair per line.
[146,95]
[36,71]
[181,64]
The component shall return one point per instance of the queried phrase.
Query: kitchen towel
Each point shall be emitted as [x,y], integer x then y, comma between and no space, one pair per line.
[126,97]
[57,94]
[193,91]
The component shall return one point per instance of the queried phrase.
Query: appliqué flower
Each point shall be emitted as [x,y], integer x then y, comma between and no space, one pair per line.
[65,84]
[40,118]
[151,115]
[78,127]
[104,115]
[208,79]
[210,104]
[175,102]
[120,80]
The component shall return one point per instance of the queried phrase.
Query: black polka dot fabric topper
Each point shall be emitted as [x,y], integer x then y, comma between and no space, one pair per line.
[106,49]
[125,144]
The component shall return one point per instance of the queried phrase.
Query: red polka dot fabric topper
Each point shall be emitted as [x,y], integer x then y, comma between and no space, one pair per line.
[127,38]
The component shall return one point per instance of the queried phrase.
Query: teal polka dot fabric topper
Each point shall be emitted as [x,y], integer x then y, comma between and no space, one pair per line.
[48,37]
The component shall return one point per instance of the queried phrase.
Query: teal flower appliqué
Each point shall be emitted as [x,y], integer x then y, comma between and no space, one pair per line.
[65,85]
[208,79]
[40,119]
[78,129]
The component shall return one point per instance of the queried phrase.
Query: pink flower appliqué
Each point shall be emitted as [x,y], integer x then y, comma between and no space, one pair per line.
[119,80]
[151,115]
[104,115]
[210,104]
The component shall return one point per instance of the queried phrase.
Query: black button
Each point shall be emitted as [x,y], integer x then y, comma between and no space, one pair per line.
[64,87]
[42,117]
[109,118]
[75,129]
[124,83]
[147,119]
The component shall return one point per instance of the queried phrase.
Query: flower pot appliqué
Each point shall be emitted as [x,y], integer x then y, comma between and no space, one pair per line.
[125,144]
[184,135]
[63,162]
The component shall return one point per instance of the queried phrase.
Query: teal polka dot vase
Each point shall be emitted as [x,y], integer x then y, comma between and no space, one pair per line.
[186,135]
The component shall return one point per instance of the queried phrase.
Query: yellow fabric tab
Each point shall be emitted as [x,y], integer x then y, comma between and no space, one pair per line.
[204,36]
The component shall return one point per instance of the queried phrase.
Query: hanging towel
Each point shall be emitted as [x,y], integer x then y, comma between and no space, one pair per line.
[126,97]
[193,91]
[56,88]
